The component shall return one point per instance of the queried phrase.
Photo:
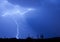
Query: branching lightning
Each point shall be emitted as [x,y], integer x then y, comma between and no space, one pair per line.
[14,11]
[12,14]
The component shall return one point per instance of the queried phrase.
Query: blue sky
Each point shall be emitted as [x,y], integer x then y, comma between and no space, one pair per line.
[43,19]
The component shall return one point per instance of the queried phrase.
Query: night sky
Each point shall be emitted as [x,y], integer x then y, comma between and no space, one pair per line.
[44,19]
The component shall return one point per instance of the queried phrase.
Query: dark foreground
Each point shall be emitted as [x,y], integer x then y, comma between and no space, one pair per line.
[29,39]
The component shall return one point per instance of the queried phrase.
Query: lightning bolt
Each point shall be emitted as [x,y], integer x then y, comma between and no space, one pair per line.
[17,25]
[15,12]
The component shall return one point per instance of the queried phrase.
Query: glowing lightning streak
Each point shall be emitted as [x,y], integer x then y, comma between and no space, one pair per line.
[17,35]
[13,10]
[17,28]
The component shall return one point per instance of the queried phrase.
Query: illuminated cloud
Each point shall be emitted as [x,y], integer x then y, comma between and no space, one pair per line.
[11,9]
